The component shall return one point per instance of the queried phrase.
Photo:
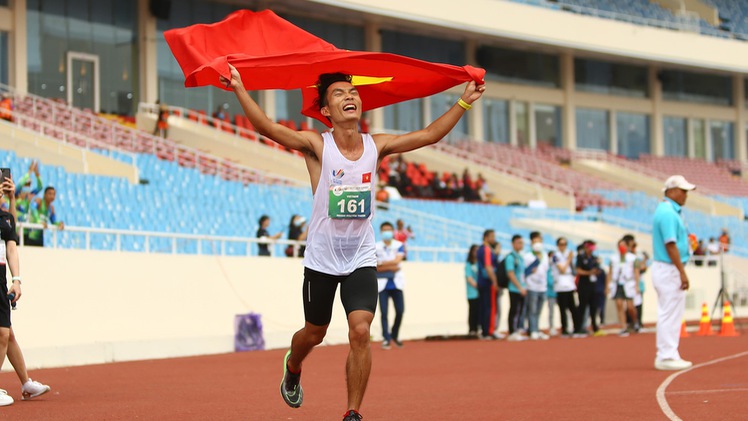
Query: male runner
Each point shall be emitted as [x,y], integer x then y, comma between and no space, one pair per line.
[342,165]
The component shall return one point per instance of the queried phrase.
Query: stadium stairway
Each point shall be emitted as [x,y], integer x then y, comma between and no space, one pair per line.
[631,175]
[228,144]
[29,138]
[90,131]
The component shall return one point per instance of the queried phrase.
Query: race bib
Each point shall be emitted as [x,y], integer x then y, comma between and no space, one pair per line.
[348,202]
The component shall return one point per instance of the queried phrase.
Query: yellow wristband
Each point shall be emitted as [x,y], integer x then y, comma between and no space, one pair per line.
[464,104]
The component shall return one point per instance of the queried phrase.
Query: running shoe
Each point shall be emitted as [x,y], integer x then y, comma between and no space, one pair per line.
[672,364]
[386,344]
[352,415]
[32,389]
[5,398]
[290,386]
[599,333]
[397,343]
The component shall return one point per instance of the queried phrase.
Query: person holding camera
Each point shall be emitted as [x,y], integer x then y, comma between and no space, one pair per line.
[9,259]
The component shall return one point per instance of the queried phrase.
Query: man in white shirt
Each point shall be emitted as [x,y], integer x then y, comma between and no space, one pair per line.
[536,277]
[390,253]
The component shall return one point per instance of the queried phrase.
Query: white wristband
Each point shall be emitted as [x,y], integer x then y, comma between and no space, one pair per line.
[16,278]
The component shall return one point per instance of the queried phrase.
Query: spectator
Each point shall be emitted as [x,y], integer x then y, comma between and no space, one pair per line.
[515,270]
[499,292]
[43,213]
[162,122]
[551,297]
[587,269]
[6,107]
[700,253]
[25,193]
[382,197]
[263,234]
[390,253]
[713,250]
[564,285]
[8,345]
[220,113]
[403,235]
[724,240]
[487,284]
[600,295]
[296,232]
[624,274]
[471,285]
[536,277]
[642,263]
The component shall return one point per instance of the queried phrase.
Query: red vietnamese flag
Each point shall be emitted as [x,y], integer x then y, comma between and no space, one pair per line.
[366,178]
[272,53]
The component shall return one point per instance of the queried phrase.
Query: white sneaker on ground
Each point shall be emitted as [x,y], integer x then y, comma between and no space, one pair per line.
[672,364]
[543,336]
[5,398]
[32,389]
[553,332]
[534,336]
[516,337]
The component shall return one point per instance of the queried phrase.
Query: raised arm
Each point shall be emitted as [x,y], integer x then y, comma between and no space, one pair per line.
[392,144]
[300,141]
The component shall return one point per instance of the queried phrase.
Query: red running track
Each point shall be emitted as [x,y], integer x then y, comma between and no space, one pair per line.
[608,378]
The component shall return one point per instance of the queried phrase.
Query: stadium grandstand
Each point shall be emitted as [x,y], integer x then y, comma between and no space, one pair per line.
[590,106]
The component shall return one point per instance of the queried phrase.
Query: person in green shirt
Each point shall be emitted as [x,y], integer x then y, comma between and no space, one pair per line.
[25,193]
[43,213]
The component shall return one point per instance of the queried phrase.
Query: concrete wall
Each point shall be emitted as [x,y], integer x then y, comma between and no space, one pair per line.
[85,307]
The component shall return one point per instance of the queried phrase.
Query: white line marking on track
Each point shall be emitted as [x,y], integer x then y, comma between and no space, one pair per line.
[662,401]
[696,392]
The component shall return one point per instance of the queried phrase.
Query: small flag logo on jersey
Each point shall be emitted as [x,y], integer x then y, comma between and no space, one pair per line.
[366,178]
[338,174]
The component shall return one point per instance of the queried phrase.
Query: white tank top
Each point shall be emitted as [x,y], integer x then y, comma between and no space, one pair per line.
[340,237]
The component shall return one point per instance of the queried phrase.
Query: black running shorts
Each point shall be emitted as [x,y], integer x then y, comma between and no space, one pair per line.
[358,291]
[4,305]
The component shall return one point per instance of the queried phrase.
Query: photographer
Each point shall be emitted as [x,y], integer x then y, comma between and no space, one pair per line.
[9,259]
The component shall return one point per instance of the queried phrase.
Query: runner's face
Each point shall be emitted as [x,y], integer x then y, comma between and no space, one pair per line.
[343,102]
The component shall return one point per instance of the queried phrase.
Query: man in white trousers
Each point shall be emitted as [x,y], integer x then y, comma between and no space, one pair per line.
[670,245]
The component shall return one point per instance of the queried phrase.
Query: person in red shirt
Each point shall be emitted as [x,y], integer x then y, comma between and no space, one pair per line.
[403,234]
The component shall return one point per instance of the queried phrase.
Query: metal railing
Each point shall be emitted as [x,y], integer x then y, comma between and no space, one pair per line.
[87,238]
[94,132]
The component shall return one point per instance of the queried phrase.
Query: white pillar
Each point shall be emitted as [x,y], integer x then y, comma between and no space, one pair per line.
[373,42]
[656,134]
[147,63]
[613,132]
[18,48]
[741,148]
[568,113]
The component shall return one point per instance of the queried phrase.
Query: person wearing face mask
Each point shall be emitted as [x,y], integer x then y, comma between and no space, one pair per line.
[390,253]
[624,281]
[536,277]
[297,232]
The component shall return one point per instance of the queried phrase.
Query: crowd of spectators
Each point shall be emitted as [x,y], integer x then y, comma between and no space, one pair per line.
[415,180]
[33,209]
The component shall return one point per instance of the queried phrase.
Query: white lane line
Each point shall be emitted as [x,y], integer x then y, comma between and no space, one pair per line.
[697,392]
[662,401]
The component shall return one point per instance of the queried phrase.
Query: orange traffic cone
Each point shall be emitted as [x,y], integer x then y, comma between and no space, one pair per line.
[683,332]
[728,327]
[705,325]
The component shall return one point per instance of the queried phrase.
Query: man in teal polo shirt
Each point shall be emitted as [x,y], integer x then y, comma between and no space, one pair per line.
[670,245]
[515,270]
